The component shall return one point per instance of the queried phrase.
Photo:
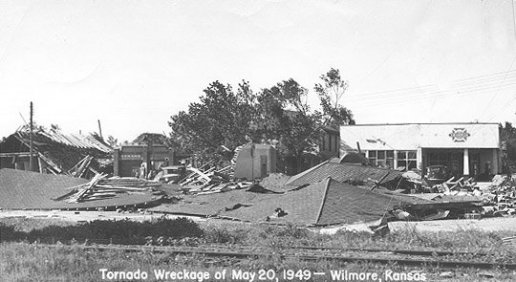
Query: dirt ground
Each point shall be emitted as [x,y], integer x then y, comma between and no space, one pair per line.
[486,224]
[83,216]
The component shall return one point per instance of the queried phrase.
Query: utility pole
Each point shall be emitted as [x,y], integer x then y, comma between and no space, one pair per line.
[31,161]
[150,143]
[100,130]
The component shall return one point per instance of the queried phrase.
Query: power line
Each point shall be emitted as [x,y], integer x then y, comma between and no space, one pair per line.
[513,19]
[498,90]
[431,89]
[434,94]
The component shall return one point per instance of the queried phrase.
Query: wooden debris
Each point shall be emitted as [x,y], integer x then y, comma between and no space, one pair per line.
[101,187]
[79,196]
[81,167]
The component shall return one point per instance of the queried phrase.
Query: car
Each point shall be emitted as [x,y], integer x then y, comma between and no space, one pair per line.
[437,174]
[172,174]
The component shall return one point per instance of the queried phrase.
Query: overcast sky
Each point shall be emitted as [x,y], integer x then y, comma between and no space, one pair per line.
[133,64]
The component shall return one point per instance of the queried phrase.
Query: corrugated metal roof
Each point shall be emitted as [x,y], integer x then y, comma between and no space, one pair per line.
[60,151]
[343,173]
[74,140]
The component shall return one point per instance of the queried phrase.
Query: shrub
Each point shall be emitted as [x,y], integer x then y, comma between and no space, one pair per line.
[8,233]
[118,232]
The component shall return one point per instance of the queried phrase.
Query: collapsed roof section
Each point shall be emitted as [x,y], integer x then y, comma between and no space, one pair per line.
[31,190]
[216,204]
[55,152]
[343,172]
[327,202]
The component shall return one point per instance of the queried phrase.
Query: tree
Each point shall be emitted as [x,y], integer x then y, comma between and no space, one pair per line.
[220,120]
[287,118]
[112,141]
[224,119]
[150,138]
[508,136]
[330,93]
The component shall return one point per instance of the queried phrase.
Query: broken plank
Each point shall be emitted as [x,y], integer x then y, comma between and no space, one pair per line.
[201,174]
[121,187]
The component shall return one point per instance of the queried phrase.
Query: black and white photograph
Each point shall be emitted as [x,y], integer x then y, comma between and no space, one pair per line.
[257,140]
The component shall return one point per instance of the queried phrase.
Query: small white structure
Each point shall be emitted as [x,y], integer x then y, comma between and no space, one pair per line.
[465,148]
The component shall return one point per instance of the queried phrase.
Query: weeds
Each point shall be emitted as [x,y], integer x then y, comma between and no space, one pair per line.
[117,232]
[223,235]
[23,262]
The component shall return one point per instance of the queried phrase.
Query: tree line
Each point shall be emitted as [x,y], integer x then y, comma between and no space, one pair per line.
[226,117]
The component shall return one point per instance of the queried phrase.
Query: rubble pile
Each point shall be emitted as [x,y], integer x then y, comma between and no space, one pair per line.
[502,196]
[498,197]
[82,168]
[58,153]
[101,187]
[211,181]
[461,187]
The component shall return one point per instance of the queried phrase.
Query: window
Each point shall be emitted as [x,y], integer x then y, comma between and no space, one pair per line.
[390,159]
[381,158]
[407,159]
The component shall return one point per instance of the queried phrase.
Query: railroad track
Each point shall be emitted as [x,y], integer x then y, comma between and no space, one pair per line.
[444,259]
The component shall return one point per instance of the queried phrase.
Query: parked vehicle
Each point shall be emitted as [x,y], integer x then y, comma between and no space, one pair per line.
[172,174]
[436,174]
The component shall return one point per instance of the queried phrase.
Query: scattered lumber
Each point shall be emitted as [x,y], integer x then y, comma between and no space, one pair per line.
[81,167]
[79,196]
[101,187]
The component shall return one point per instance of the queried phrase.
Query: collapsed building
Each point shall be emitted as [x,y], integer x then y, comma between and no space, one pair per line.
[326,202]
[26,190]
[55,152]
[367,184]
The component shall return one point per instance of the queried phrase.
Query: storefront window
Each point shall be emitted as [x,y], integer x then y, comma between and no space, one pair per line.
[390,159]
[372,158]
[407,159]
[383,158]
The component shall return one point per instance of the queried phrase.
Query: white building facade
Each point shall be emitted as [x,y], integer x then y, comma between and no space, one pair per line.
[465,148]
